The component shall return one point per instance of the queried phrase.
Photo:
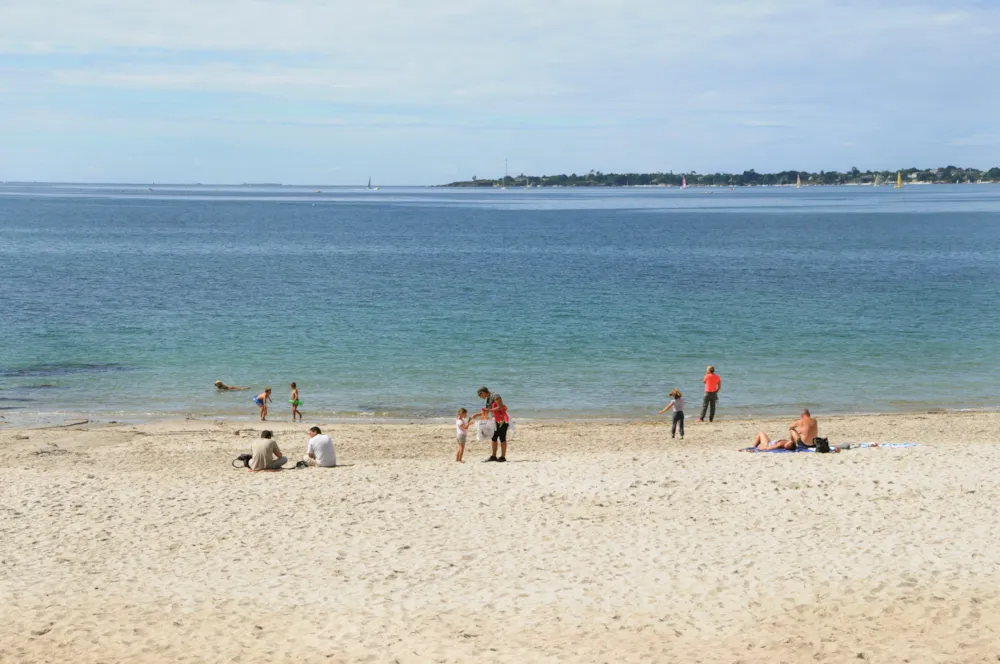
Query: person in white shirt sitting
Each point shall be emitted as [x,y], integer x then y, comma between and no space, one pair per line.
[320,450]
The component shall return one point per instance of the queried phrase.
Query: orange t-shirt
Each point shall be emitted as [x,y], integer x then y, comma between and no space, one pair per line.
[712,382]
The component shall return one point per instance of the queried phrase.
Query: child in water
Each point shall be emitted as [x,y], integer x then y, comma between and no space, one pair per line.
[295,403]
[462,431]
[677,405]
[261,401]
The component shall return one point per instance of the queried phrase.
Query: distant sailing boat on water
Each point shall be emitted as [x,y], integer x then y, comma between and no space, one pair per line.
[875,181]
[798,181]
[503,185]
[684,182]
[899,180]
[370,187]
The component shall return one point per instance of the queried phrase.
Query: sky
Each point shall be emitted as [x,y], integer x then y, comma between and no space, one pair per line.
[407,92]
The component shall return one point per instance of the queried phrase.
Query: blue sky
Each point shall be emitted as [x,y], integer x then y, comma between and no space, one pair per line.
[304,91]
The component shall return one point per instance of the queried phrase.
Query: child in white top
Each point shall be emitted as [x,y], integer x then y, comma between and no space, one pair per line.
[676,405]
[462,422]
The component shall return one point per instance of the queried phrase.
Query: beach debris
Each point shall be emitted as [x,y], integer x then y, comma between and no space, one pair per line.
[42,632]
[53,451]
[62,426]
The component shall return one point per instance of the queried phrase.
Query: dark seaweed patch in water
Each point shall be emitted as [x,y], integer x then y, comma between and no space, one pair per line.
[61,370]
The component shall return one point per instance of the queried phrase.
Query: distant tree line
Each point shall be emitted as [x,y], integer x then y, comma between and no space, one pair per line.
[751,178]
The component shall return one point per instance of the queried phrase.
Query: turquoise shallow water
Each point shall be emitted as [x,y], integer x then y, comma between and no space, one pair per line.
[124,301]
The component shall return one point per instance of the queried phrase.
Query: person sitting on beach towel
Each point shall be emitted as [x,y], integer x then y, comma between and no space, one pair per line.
[320,451]
[804,430]
[265,454]
[763,443]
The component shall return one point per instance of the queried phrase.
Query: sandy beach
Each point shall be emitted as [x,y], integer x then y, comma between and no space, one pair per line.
[598,542]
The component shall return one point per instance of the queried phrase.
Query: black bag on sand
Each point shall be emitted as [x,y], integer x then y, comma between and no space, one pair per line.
[242,461]
[822,445]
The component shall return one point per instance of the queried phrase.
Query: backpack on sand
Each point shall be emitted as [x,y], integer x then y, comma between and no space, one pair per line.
[822,445]
[242,461]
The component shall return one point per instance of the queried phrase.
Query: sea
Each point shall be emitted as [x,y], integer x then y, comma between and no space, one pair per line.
[126,302]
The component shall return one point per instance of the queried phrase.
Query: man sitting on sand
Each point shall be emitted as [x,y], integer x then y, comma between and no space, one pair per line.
[804,430]
[763,443]
[320,450]
[265,454]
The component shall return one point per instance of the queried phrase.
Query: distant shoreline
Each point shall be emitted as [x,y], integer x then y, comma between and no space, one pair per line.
[750,178]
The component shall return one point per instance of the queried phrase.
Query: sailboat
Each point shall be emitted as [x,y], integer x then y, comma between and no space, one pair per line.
[899,180]
[875,181]
[370,187]
[684,182]
[503,185]
[798,181]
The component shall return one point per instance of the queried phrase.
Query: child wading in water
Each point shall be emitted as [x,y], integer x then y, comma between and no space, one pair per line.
[677,405]
[462,431]
[261,401]
[295,402]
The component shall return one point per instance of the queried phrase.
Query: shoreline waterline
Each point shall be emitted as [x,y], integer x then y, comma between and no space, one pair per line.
[54,419]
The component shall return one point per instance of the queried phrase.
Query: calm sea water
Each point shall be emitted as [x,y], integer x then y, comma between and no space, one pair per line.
[124,301]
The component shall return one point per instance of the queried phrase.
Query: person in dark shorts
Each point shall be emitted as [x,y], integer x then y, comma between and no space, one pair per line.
[495,407]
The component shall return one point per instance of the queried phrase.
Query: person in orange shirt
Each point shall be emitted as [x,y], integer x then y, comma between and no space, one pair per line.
[713,383]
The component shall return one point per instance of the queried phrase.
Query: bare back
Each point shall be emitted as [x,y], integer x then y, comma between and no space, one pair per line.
[809,428]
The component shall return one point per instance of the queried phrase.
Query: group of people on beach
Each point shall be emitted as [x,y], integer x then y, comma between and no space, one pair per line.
[493,409]
[803,432]
[261,400]
[266,455]
[713,384]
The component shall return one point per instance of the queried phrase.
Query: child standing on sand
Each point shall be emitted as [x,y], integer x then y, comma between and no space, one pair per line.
[462,422]
[295,402]
[677,405]
[261,401]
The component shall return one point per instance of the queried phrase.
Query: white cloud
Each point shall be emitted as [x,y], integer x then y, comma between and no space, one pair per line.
[614,54]
[629,77]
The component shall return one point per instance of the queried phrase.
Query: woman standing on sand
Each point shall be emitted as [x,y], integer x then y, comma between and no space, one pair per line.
[502,420]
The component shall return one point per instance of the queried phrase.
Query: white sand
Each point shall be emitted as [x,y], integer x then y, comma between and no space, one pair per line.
[605,542]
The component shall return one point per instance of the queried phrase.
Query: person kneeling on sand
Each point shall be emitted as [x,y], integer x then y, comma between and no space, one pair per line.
[763,443]
[320,450]
[804,430]
[265,455]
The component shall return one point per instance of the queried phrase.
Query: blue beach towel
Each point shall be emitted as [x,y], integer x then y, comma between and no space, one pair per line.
[779,450]
[839,448]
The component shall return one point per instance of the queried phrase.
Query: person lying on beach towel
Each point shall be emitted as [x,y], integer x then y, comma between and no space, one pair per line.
[763,443]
